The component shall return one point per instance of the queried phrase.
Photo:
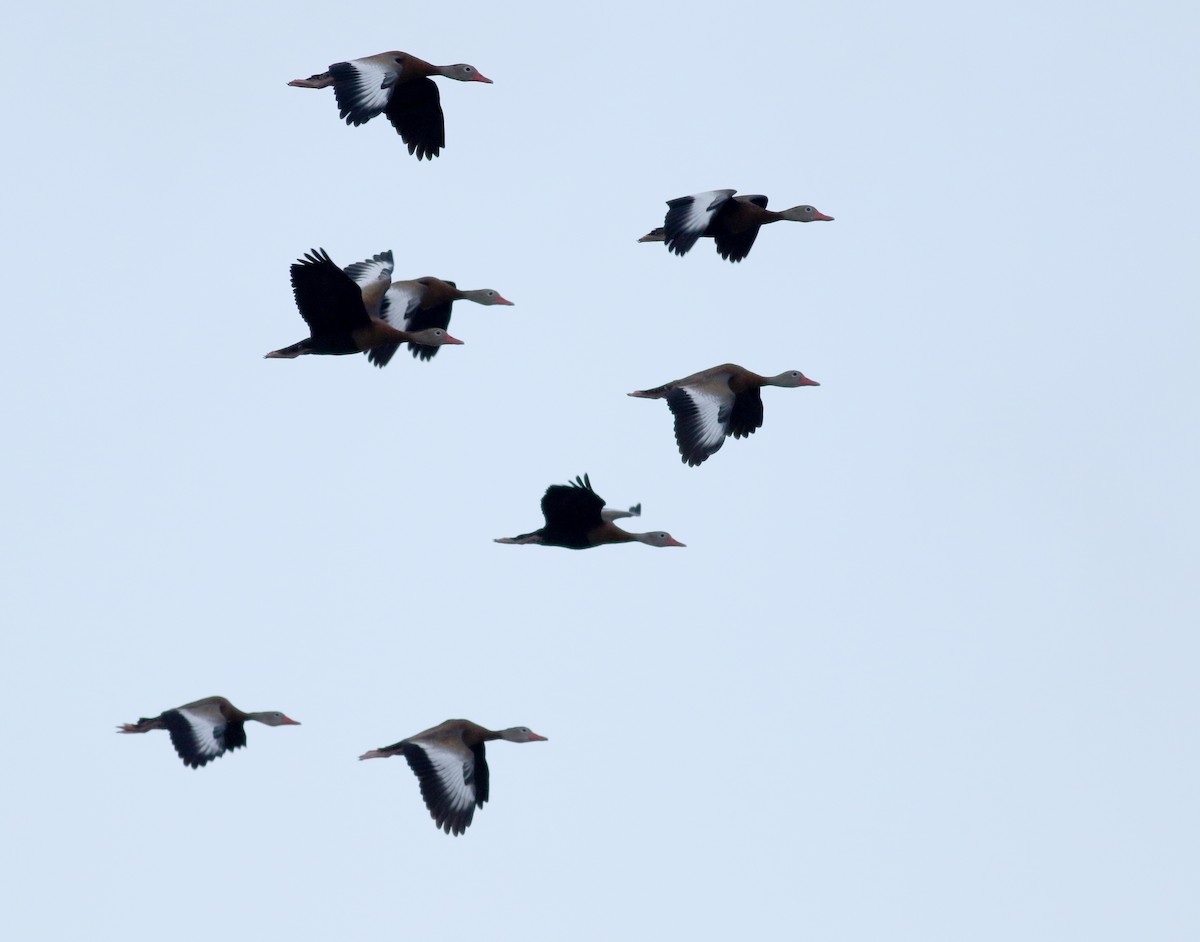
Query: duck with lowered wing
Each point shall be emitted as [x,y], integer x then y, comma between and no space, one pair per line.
[730,221]
[450,762]
[713,404]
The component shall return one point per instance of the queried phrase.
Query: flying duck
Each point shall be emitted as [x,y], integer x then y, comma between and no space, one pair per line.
[399,86]
[205,729]
[451,764]
[576,519]
[732,222]
[418,304]
[716,403]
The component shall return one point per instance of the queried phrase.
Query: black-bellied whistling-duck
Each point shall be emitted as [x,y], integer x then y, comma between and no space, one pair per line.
[398,85]
[712,404]
[333,306]
[733,222]
[205,729]
[451,765]
[418,304]
[576,519]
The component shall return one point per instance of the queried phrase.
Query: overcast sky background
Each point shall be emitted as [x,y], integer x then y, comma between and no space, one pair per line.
[927,667]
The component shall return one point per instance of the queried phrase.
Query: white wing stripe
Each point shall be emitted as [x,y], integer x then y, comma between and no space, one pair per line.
[710,425]
[367,95]
[204,732]
[400,301]
[448,765]
[371,270]
[702,208]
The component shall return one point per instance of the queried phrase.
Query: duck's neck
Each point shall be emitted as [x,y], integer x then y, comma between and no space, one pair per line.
[641,537]
[614,534]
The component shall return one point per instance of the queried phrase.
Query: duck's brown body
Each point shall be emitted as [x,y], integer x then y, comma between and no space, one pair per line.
[366,339]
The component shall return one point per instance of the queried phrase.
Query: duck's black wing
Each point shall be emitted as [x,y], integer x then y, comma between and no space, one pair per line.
[572,511]
[327,298]
[415,111]
[690,217]
[747,413]
[422,318]
[733,245]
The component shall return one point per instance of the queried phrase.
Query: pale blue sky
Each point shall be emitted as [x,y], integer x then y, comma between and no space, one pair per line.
[927,667]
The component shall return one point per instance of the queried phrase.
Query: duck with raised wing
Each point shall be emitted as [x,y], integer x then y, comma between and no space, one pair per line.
[205,729]
[419,304]
[577,519]
[399,86]
[335,309]
[732,222]
[450,762]
[716,403]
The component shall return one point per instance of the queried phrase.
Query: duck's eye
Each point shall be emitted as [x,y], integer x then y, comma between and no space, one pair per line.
[467,68]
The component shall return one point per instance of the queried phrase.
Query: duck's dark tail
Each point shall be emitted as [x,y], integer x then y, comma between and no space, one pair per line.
[520,540]
[320,80]
[290,353]
[144,725]
[396,750]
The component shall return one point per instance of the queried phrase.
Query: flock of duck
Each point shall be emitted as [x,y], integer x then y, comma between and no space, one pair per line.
[359,309]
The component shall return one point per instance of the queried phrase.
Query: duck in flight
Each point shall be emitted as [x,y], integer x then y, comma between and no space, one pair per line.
[450,762]
[415,305]
[206,729]
[576,518]
[730,221]
[713,404]
[397,85]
